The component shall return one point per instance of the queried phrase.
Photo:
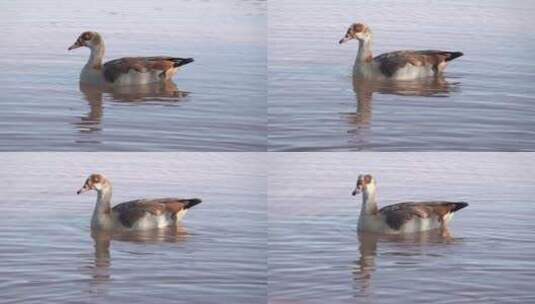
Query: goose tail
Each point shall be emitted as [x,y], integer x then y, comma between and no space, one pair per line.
[453,55]
[181,61]
[192,202]
[458,206]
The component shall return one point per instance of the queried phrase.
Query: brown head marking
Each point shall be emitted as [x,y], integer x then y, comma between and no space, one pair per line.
[362,182]
[87,36]
[355,31]
[357,28]
[86,39]
[91,183]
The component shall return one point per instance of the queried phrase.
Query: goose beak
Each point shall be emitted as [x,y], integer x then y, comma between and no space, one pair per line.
[344,40]
[74,46]
[357,190]
[82,190]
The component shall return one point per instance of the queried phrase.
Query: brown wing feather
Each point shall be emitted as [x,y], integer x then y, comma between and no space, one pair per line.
[131,211]
[114,68]
[390,63]
[398,214]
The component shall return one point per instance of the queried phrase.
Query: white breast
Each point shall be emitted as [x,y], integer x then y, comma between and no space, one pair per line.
[372,223]
[368,71]
[103,221]
[91,76]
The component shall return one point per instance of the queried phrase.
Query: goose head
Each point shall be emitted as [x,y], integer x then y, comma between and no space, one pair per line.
[95,182]
[88,39]
[358,31]
[365,182]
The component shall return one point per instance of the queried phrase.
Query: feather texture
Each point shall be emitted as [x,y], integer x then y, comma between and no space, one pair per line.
[124,71]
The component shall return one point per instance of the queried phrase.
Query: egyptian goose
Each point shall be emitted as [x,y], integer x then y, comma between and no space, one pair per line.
[139,214]
[124,71]
[403,217]
[399,65]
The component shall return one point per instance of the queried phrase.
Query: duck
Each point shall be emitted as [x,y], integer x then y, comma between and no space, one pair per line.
[401,218]
[397,65]
[140,214]
[123,71]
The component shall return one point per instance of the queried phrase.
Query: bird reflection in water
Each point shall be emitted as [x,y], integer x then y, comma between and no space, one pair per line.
[365,88]
[103,239]
[399,246]
[160,93]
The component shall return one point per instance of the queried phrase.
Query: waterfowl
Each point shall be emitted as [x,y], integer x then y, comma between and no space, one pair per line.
[399,65]
[139,214]
[124,71]
[400,218]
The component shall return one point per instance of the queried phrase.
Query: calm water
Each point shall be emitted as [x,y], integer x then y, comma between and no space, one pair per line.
[485,102]
[316,255]
[217,103]
[218,253]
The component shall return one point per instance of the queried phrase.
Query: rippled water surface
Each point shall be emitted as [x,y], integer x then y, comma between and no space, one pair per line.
[486,100]
[216,255]
[316,255]
[217,103]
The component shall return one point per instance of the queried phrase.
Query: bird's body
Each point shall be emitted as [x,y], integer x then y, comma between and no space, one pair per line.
[398,65]
[142,214]
[406,217]
[127,70]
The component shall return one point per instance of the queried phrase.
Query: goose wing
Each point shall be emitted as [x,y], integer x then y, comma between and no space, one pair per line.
[131,211]
[115,68]
[390,63]
[398,214]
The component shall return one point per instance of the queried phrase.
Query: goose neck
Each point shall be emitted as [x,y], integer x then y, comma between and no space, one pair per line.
[96,57]
[103,205]
[364,54]
[369,203]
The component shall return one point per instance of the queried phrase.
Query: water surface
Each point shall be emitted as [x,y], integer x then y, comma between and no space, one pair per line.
[317,256]
[217,103]
[49,255]
[486,101]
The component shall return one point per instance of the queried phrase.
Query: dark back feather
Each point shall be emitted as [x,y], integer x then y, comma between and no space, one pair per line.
[398,214]
[390,63]
[130,212]
[114,68]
